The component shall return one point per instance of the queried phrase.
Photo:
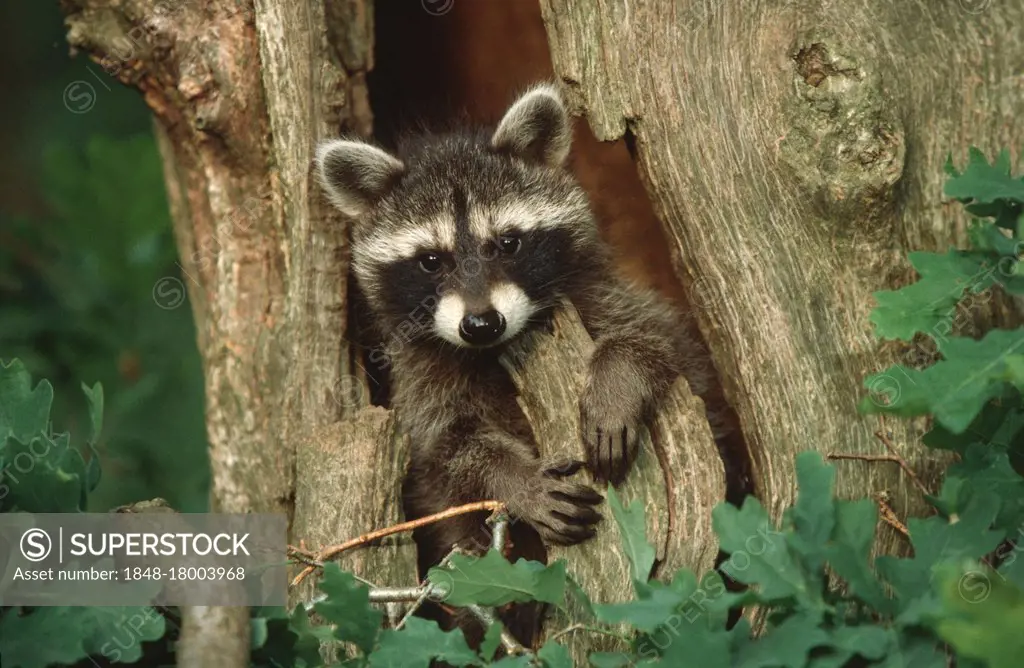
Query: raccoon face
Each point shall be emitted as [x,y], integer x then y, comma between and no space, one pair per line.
[468,237]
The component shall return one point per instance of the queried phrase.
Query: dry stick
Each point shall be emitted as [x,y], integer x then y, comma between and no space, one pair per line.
[422,597]
[333,551]
[880,435]
[893,457]
[888,515]
[488,618]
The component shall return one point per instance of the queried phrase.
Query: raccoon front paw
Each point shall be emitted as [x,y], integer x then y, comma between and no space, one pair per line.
[610,425]
[561,511]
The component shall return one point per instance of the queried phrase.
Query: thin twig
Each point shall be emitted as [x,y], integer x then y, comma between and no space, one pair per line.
[499,520]
[333,551]
[893,457]
[590,629]
[488,618]
[865,458]
[881,436]
[423,597]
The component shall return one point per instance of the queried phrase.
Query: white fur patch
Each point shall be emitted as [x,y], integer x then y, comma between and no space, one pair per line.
[527,120]
[510,300]
[383,248]
[450,311]
[523,216]
[354,174]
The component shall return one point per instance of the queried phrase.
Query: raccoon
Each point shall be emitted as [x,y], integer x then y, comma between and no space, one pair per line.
[462,241]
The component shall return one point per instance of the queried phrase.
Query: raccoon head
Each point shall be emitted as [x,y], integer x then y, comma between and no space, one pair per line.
[468,237]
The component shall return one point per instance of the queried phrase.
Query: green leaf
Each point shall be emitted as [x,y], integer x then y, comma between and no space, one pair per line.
[418,643]
[492,581]
[766,560]
[60,635]
[915,652]
[348,608]
[489,645]
[923,305]
[633,530]
[849,554]
[578,600]
[714,600]
[609,660]
[45,475]
[687,644]
[258,633]
[984,183]
[1013,567]
[24,411]
[986,470]
[870,642]
[555,656]
[996,424]
[651,609]
[936,539]
[787,645]
[94,395]
[813,515]
[955,389]
[986,624]
[291,640]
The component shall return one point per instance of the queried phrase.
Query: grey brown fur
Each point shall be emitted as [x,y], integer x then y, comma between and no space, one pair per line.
[509,232]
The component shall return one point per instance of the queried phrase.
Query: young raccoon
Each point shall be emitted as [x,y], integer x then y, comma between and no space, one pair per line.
[463,242]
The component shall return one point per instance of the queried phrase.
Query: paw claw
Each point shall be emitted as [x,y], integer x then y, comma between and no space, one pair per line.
[611,435]
[561,511]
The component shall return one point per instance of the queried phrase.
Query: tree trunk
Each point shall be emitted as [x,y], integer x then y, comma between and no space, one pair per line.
[241,94]
[794,152]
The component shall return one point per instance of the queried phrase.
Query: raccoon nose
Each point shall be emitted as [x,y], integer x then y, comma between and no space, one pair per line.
[480,330]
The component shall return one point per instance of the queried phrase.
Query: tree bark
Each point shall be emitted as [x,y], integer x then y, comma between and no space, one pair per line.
[794,152]
[677,477]
[241,93]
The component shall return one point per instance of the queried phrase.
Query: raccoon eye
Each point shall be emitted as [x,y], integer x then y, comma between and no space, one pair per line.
[509,245]
[430,263]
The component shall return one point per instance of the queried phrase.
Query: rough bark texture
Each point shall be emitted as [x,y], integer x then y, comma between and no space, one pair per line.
[677,478]
[349,470]
[241,94]
[794,152]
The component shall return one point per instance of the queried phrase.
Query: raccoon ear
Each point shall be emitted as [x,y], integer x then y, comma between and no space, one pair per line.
[355,174]
[536,128]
